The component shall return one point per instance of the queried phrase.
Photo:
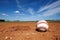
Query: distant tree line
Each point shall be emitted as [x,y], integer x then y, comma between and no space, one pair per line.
[1,20]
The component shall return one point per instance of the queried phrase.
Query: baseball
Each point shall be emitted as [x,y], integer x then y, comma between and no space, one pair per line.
[42,25]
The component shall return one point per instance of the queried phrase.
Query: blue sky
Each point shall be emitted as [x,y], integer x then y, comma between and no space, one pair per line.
[30,10]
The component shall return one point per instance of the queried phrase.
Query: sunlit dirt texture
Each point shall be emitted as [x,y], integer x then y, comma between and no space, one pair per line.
[27,31]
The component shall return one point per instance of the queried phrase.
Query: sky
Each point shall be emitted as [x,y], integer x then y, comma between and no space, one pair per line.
[30,10]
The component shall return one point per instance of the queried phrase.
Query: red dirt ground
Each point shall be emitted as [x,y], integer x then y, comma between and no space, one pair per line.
[26,31]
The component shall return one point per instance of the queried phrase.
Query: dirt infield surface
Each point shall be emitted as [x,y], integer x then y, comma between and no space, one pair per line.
[26,31]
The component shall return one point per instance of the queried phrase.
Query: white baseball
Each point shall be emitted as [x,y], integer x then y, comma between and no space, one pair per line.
[42,25]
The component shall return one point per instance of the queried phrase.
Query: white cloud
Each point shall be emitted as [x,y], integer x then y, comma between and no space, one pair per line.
[31,11]
[51,6]
[17,12]
[17,1]
[51,9]
[4,14]
[52,12]
[19,6]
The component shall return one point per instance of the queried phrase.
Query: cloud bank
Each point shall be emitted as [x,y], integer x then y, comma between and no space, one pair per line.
[4,14]
[51,9]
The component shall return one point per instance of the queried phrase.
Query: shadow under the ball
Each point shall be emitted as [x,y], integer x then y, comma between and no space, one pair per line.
[38,30]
